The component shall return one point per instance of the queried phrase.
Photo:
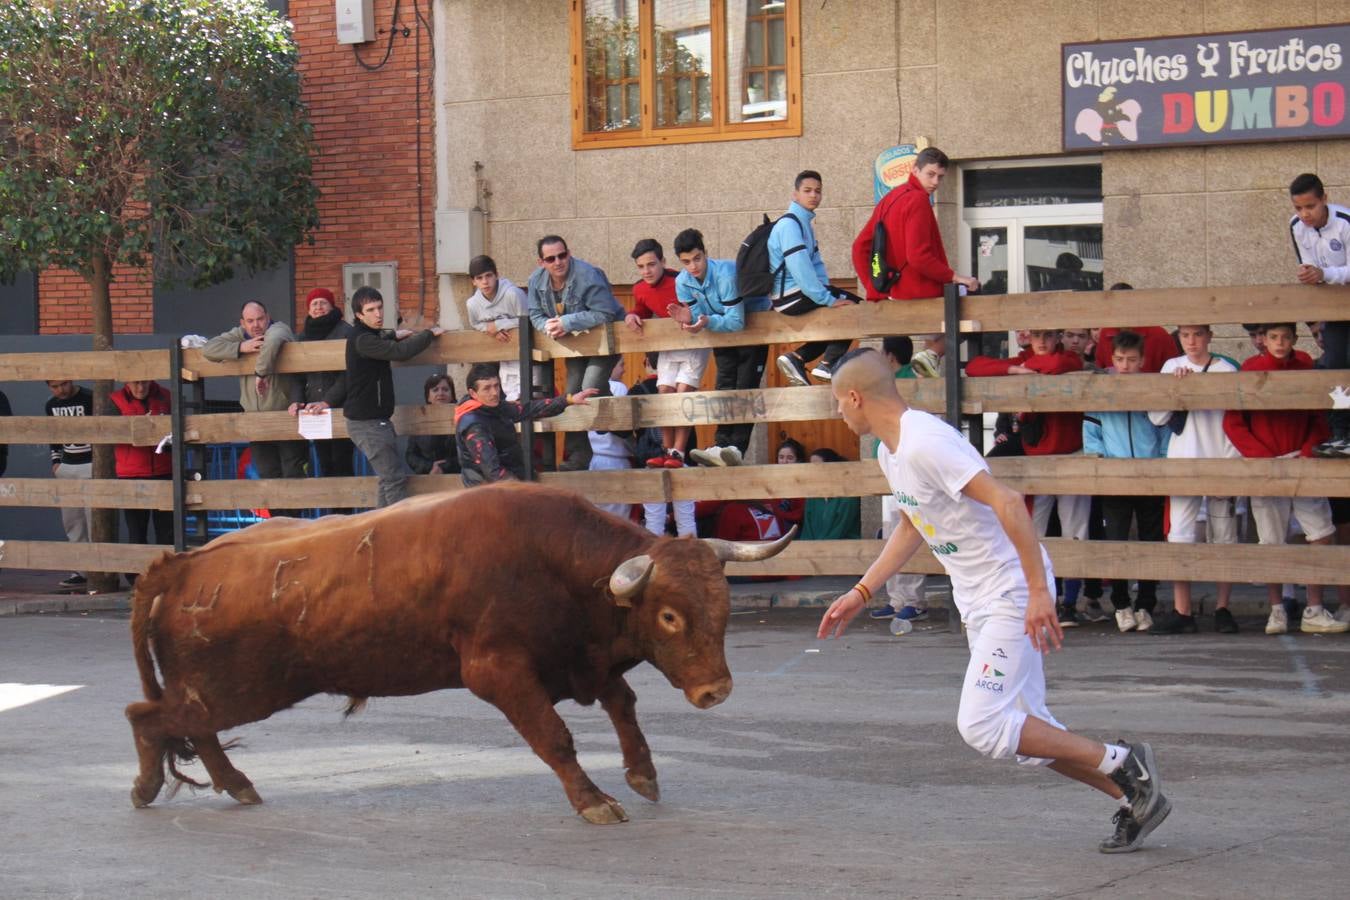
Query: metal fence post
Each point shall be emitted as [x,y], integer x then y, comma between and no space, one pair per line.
[525,337]
[177,448]
[951,373]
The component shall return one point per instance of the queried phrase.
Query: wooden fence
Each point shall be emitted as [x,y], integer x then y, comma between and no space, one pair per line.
[954,395]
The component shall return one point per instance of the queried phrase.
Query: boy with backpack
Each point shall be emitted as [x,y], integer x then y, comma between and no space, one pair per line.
[800,283]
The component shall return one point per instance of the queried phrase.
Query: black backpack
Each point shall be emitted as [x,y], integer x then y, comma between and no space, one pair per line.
[754,278]
[881,274]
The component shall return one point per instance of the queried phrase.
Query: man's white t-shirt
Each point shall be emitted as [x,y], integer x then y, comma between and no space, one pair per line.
[926,473]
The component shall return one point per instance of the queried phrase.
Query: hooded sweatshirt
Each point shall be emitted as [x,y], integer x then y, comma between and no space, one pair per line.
[1270,433]
[1060,432]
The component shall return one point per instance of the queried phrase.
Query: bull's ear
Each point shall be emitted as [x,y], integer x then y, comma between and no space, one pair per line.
[630,578]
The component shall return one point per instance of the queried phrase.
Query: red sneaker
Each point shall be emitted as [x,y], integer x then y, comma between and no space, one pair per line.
[673,462]
[657,462]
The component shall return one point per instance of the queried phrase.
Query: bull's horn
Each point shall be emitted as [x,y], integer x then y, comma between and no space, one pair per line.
[749,551]
[630,578]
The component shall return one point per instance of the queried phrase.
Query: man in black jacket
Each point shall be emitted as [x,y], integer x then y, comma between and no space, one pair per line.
[485,427]
[369,393]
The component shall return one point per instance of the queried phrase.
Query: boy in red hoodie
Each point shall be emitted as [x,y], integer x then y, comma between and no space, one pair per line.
[1284,434]
[1047,434]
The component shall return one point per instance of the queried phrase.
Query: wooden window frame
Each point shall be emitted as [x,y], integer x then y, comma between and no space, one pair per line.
[649,135]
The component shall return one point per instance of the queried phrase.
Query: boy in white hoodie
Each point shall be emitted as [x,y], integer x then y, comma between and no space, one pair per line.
[1197,434]
[495,309]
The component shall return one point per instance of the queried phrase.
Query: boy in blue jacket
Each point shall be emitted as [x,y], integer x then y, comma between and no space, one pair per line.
[1129,435]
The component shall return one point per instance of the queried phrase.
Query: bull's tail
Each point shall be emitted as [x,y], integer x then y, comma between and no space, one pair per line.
[143,610]
[182,750]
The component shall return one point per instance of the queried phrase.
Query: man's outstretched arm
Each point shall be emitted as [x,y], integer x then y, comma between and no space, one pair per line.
[900,546]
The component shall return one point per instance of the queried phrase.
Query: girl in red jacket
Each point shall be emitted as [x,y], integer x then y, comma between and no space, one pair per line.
[143,398]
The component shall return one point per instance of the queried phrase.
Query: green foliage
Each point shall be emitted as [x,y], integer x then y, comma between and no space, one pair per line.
[164,128]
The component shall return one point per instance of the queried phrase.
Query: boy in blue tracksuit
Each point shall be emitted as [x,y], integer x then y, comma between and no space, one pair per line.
[707,288]
[800,284]
[1129,435]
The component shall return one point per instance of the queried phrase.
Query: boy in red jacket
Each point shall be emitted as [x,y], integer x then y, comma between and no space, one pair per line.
[913,243]
[1285,434]
[1047,434]
[143,398]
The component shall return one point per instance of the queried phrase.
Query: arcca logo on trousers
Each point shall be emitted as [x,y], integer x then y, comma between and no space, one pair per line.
[986,680]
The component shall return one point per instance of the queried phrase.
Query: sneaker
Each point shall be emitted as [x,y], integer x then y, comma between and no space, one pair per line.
[1143,620]
[74,580]
[882,612]
[912,613]
[1278,623]
[1343,614]
[674,461]
[1316,620]
[1138,777]
[1224,623]
[793,370]
[1129,833]
[657,462]
[1125,620]
[731,456]
[1332,449]
[710,457]
[1068,616]
[1175,623]
[1093,612]
[822,372]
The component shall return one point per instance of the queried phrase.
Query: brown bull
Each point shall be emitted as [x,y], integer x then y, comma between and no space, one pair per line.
[524,594]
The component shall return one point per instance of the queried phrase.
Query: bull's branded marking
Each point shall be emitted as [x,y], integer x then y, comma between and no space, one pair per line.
[1243,86]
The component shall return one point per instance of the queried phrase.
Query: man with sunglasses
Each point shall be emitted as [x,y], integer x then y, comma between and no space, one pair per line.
[566,296]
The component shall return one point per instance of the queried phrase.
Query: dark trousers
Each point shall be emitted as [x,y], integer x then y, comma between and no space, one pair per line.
[280,459]
[1147,513]
[738,369]
[795,304]
[585,372]
[336,461]
[1336,355]
[139,520]
[1092,587]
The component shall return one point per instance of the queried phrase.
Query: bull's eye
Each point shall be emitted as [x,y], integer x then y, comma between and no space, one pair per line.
[671,621]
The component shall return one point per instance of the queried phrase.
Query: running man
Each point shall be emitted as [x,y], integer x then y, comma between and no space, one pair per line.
[980,531]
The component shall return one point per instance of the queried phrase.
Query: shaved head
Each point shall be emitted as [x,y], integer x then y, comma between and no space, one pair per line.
[866,372]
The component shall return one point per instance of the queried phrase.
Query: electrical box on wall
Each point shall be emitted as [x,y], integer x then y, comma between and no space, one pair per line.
[459,238]
[355,21]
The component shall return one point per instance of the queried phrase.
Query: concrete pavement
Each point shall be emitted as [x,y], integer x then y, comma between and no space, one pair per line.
[836,773]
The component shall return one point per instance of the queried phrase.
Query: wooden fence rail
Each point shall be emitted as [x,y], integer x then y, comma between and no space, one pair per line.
[1055,475]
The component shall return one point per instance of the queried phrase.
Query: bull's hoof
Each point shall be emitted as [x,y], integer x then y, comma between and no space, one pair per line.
[247,796]
[646,787]
[142,797]
[608,812]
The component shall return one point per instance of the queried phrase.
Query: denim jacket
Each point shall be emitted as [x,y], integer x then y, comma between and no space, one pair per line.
[587,298]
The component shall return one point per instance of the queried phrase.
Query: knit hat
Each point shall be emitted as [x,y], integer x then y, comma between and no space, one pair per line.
[325,293]
[481,264]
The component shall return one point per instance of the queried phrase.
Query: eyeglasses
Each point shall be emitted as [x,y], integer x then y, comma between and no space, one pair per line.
[555,257]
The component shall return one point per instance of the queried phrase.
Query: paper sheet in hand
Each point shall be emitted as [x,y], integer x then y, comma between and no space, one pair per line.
[316,426]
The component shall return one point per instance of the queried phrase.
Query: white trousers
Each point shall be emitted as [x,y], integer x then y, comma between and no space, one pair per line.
[622,510]
[1073,515]
[654,518]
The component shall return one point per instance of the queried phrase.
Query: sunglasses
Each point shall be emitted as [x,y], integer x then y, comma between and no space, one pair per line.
[555,257]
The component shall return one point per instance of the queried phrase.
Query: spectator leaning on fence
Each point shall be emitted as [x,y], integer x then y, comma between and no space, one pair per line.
[1285,434]
[435,454]
[369,400]
[324,322]
[1159,345]
[74,461]
[677,370]
[1321,234]
[568,296]
[264,389]
[1047,434]
[1197,434]
[1129,435]
[143,398]
[495,309]
[706,289]
[800,283]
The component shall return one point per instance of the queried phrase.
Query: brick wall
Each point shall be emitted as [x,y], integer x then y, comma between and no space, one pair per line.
[366,126]
[365,129]
[64,302]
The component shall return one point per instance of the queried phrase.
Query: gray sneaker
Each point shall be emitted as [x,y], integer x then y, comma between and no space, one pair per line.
[1130,833]
[793,370]
[1138,777]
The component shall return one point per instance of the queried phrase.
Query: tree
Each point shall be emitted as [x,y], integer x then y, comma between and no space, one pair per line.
[167,133]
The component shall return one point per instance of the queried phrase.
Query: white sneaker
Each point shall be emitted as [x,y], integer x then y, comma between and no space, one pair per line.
[822,372]
[1343,614]
[731,456]
[1142,620]
[1126,621]
[710,457]
[1278,623]
[1316,620]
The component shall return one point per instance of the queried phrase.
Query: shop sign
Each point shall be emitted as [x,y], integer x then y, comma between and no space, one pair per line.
[1276,85]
